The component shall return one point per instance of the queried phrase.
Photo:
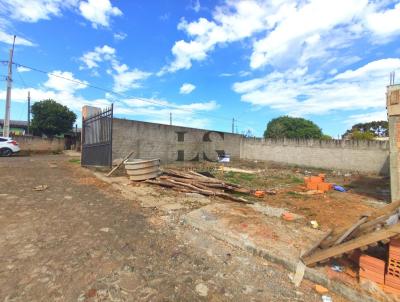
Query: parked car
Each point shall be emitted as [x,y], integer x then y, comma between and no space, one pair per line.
[8,146]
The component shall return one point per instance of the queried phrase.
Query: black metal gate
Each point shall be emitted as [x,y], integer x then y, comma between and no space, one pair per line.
[97,139]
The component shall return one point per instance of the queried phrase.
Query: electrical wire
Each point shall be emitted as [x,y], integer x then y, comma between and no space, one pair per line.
[126,96]
[117,93]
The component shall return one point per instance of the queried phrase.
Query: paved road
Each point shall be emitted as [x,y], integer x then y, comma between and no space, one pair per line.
[79,240]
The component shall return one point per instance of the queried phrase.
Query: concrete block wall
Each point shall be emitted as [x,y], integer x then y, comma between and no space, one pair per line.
[171,143]
[174,143]
[363,156]
[39,144]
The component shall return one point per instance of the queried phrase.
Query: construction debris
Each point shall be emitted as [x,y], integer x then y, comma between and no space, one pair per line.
[120,164]
[367,231]
[40,188]
[317,183]
[320,289]
[372,268]
[392,277]
[299,274]
[314,224]
[193,182]
[142,169]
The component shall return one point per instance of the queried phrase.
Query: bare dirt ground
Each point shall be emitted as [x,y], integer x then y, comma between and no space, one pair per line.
[332,209]
[81,240]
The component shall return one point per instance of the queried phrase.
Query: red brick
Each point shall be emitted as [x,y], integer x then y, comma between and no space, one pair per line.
[316,179]
[324,186]
[394,266]
[377,278]
[372,263]
[391,290]
[312,186]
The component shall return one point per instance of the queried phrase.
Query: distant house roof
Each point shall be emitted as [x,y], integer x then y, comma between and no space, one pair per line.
[15,124]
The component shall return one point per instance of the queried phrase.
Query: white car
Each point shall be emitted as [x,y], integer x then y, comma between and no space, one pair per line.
[8,146]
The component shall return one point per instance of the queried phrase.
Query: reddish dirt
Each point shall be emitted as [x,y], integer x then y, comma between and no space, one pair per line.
[332,209]
[80,240]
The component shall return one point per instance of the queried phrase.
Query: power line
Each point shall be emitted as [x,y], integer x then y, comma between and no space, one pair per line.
[22,80]
[117,93]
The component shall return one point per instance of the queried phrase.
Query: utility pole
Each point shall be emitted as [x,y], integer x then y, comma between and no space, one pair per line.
[170,118]
[29,111]
[233,125]
[6,126]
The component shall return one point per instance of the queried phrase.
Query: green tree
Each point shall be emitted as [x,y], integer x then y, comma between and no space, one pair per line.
[371,130]
[51,118]
[292,127]
[359,135]
[326,137]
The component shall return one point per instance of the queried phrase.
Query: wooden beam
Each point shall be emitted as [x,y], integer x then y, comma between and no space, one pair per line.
[350,230]
[315,245]
[372,216]
[348,246]
[119,165]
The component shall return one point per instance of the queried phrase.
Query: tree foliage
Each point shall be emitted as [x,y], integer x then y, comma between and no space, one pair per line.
[359,135]
[51,118]
[292,127]
[368,130]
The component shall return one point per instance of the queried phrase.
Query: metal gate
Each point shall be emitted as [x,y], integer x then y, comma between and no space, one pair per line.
[97,139]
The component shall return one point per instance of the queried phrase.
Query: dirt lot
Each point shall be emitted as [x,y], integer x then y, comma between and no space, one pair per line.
[333,209]
[80,240]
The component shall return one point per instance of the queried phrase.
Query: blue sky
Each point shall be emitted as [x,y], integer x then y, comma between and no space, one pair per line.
[206,61]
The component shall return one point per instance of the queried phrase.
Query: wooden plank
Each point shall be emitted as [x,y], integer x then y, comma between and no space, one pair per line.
[350,230]
[372,216]
[373,223]
[315,245]
[348,246]
[119,165]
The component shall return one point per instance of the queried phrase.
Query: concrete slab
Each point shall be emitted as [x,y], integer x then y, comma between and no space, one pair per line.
[248,227]
[273,212]
[272,238]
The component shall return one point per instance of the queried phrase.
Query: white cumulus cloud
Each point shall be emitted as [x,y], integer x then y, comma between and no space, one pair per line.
[35,10]
[158,111]
[99,12]
[124,77]
[187,88]
[8,39]
[286,33]
[64,81]
[299,94]
[98,55]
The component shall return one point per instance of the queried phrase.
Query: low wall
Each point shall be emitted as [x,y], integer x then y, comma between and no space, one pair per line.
[171,143]
[39,144]
[363,156]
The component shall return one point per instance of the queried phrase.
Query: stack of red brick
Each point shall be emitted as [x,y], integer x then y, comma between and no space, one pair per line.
[392,277]
[373,269]
[317,183]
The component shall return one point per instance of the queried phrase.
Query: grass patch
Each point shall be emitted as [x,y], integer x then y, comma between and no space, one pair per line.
[296,195]
[237,177]
[296,180]
[75,161]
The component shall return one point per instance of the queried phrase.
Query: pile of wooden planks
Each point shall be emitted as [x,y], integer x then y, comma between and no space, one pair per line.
[368,230]
[193,182]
